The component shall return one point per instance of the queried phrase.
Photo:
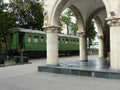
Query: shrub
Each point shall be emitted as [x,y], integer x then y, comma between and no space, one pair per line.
[16,59]
[2,61]
[25,59]
[19,59]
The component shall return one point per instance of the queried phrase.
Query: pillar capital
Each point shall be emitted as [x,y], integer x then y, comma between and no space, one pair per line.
[100,36]
[113,21]
[81,34]
[112,7]
[52,29]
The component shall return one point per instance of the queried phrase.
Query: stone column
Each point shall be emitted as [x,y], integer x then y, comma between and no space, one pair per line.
[52,44]
[82,46]
[114,24]
[101,46]
[113,20]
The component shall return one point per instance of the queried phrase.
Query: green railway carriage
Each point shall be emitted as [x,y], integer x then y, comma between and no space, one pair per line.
[33,43]
[68,44]
[13,41]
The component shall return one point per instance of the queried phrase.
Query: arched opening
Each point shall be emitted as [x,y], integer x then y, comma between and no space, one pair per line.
[99,19]
[75,19]
[56,12]
[83,15]
[72,25]
[95,9]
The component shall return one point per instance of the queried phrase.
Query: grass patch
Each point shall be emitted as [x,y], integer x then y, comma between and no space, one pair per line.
[93,52]
[10,62]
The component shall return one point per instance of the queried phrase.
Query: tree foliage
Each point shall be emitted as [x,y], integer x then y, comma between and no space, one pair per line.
[20,13]
[66,18]
[29,13]
[91,33]
[7,20]
[74,28]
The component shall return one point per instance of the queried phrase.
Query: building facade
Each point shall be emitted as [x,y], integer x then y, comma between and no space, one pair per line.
[106,14]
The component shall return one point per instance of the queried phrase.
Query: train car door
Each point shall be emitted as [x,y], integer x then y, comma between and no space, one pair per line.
[21,40]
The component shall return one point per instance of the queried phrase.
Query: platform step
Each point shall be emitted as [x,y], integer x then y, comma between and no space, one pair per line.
[103,73]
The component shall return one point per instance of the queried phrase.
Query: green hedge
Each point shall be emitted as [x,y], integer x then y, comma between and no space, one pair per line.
[19,59]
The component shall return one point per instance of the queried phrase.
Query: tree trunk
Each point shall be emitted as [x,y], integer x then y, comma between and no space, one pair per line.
[67,28]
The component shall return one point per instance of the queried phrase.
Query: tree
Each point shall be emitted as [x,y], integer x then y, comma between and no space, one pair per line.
[7,21]
[74,27]
[28,13]
[66,18]
[91,33]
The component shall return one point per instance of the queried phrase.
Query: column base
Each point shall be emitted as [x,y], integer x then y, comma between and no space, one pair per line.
[83,60]
[52,65]
[101,58]
[115,68]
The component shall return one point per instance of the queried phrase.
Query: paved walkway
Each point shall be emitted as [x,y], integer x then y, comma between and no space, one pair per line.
[26,77]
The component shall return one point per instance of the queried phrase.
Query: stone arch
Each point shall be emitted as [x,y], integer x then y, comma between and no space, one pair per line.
[78,17]
[59,6]
[57,9]
[80,33]
[100,29]
[92,16]
[99,25]
[100,37]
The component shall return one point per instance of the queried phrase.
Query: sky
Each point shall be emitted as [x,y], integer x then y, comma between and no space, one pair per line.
[6,1]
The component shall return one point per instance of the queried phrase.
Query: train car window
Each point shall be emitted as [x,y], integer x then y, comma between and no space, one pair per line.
[36,39]
[67,41]
[29,39]
[73,41]
[70,41]
[77,42]
[59,41]
[62,41]
[42,39]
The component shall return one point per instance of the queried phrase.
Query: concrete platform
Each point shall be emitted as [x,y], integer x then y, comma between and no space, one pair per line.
[92,68]
[27,77]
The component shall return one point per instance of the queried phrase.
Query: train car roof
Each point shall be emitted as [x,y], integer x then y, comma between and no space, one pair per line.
[41,32]
[70,36]
[30,31]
